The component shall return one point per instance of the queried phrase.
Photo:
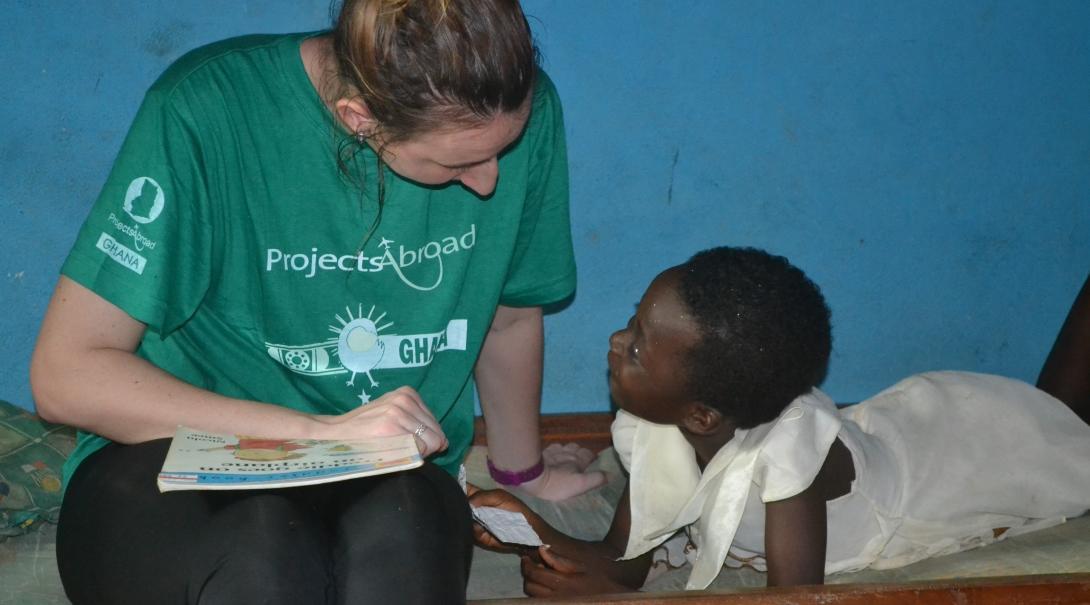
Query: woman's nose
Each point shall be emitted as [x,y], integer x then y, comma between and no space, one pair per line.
[481,179]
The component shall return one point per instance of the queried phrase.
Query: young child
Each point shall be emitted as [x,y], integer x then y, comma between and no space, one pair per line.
[726,437]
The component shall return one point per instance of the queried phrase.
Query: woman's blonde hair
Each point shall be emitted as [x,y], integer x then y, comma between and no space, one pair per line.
[429,65]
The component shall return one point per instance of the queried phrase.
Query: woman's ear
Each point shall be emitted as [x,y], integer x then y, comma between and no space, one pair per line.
[701,419]
[355,116]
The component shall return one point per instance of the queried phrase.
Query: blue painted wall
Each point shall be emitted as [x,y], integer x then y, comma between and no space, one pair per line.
[928,165]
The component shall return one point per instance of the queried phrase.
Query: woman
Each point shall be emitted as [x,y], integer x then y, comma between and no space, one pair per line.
[309,236]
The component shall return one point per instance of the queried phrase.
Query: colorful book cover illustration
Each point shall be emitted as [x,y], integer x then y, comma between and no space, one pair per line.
[203,460]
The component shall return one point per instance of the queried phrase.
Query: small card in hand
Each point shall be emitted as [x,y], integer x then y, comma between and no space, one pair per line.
[507,526]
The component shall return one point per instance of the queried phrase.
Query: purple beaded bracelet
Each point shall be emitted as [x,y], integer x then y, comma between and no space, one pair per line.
[516,478]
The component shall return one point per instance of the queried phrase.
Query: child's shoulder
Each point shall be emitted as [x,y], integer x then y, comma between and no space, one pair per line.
[794,446]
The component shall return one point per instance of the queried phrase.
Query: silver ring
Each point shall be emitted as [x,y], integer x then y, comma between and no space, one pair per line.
[420,430]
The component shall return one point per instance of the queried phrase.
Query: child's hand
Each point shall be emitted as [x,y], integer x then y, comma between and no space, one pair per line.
[555,575]
[498,498]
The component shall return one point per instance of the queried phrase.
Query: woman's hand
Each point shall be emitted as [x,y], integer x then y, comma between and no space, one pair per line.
[565,473]
[398,412]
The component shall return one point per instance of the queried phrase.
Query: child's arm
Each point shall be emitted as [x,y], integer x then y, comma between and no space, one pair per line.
[569,566]
[597,569]
[796,527]
[795,539]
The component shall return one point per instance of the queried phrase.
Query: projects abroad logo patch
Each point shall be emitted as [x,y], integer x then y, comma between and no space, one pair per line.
[144,200]
[418,267]
[360,346]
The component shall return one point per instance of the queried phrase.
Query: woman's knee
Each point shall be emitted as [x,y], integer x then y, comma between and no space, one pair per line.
[263,577]
[421,508]
[402,527]
[425,491]
[262,547]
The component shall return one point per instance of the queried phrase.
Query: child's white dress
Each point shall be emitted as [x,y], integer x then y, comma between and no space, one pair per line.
[941,461]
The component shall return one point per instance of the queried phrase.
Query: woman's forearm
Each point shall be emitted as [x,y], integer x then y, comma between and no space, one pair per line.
[84,372]
[124,398]
[508,376]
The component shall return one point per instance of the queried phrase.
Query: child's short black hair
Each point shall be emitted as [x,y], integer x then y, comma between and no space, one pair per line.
[766,335]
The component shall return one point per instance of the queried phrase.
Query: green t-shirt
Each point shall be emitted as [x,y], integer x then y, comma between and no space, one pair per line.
[228,227]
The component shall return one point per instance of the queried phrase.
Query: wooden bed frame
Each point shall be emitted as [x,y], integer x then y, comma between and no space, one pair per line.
[589,430]
[592,431]
[1007,590]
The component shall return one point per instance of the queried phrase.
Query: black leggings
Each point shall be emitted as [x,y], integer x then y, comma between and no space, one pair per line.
[398,538]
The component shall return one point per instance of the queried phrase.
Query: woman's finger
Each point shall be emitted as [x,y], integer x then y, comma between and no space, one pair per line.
[420,422]
[415,418]
[428,440]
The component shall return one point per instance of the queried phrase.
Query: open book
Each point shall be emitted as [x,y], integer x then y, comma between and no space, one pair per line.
[203,460]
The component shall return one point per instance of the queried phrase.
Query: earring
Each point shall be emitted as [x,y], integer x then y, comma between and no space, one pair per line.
[361,138]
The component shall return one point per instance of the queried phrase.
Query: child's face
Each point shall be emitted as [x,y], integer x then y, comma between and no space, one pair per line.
[647,358]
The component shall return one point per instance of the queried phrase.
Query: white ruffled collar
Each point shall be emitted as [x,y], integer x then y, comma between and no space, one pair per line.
[667,491]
